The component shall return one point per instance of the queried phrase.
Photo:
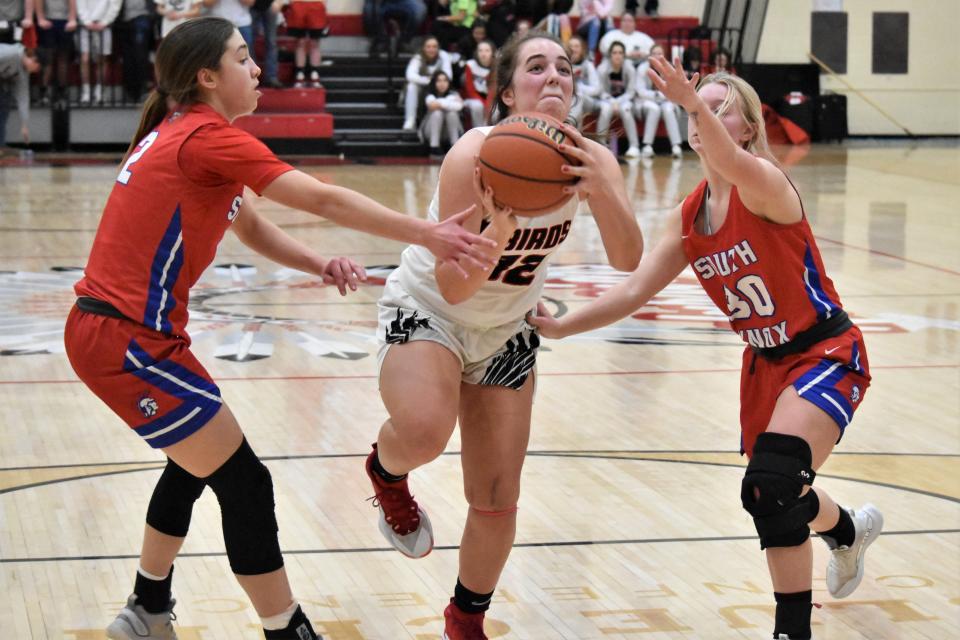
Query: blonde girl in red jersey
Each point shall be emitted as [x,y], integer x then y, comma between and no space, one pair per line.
[744,231]
[181,187]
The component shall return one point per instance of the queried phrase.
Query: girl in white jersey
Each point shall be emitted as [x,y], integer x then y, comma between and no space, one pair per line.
[460,348]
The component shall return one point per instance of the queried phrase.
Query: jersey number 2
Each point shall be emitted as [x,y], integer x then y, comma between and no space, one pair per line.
[125,174]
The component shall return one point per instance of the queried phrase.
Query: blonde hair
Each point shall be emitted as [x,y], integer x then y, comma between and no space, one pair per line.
[745,98]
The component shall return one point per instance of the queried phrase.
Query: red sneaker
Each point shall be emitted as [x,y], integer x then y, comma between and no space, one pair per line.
[402,522]
[459,625]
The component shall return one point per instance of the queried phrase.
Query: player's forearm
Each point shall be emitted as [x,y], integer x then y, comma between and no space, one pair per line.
[619,231]
[270,241]
[454,287]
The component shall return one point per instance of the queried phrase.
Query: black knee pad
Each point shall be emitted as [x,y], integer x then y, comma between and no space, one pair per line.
[171,504]
[244,489]
[780,468]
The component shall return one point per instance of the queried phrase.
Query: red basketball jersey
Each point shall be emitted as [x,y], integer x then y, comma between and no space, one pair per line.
[767,278]
[172,202]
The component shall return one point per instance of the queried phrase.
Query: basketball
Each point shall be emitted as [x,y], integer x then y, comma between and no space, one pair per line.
[520,160]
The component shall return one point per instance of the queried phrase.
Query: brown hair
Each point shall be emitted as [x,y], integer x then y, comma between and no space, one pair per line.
[506,65]
[191,46]
[746,100]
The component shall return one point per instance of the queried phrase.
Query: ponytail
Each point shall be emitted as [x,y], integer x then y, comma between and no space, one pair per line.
[154,109]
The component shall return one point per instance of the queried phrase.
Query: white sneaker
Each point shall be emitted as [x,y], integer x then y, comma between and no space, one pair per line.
[632,152]
[647,151]
[134,623]
[845,569]
[676,151]
[85,94]
[409,124]
[299,80]
[97,94]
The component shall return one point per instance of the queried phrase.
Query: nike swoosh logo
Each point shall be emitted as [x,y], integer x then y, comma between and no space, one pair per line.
[829,351]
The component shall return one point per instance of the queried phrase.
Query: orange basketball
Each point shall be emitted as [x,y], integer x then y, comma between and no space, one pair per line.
[520,160]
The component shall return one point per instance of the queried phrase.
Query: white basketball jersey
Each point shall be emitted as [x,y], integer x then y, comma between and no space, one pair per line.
[515,284]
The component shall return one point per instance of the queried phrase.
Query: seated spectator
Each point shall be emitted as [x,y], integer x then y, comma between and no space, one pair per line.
[595,21]
[16,65]
[501,18]
[409,14]
[307,22]
[468,44]
[419,72]
[637,43]
[616,97]
[476,93]
[523,26]
[720,61]
[442,118]
[693,61]
[553,16]
[586,79]
[650,105]
[96,42]
[176,11]
[450,29]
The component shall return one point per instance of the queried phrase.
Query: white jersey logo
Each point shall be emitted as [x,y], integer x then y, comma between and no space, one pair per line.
[235,209]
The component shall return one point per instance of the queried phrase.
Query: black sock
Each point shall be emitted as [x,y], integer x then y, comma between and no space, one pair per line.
[469,601]
[793,614]
[298,629]
[383,473]
[153,595]
[843,534]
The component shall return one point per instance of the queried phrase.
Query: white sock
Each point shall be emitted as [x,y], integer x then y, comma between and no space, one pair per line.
[150,576]
[281,620]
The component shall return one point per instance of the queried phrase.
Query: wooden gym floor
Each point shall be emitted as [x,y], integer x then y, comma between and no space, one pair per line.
[630,524]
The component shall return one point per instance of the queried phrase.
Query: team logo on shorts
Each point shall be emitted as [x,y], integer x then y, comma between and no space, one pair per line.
[148,406]
[855,394]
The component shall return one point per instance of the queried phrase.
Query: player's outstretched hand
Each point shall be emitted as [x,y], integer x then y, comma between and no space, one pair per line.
[547,326]
[671,81]
[453,244]
[344,273]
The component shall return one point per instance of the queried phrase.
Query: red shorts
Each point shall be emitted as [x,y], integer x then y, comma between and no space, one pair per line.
[833,374]
[306,16]
[150,379]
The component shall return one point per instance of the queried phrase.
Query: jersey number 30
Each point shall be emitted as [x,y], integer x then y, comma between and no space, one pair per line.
[756,298]
[125,174]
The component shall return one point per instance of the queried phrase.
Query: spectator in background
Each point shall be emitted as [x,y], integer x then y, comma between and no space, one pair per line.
[693,60]
[56,22]
[13,13]
[376,13]
[650,105]
[475,88]
[96,42]
[176,11]
[442,117]
[136,35]
[501,18]
[468,43]
[16,65]
[720,61]
[650,7]
[449,29]
[307,21]
[636,43]
[523,27]
[595,21]
[616,97]
[586,79]
[263,14]
[555,19]
[420,70]
[237,12]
